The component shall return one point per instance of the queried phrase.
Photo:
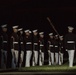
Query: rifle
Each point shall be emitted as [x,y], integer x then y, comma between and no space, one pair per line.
[4,56]
[49,55]
[49,52]
[52,25]
[60,57]
[1,42]
[20,63]
[14,57]
[33,61]
[41,54]
[20,59]
[41,57]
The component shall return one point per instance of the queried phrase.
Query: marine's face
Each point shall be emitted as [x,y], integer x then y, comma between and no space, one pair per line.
[51,37]
[35,33]
[56,37]
[15,30]
[4,29]
[70,31]
[61,39]
[27,33]
[41,36]
[21,32]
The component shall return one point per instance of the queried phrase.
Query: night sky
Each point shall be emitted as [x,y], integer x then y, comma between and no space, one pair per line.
[32,14]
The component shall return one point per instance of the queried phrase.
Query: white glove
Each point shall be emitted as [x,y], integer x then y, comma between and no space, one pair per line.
[12,50]
[66,50]
[48,51]
[40,51]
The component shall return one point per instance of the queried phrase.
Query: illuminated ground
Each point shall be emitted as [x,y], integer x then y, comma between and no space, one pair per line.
[56,68]
[53,68]
[45,69]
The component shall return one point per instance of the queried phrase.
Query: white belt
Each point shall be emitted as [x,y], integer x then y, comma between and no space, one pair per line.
[4,41]
[51,45]
[56,46]
[35,43]
[15,42]
[41,45]
[28,43]
[21,42]
[70,42]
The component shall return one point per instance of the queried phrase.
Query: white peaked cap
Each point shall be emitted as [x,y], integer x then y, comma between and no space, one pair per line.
[41,33]
[3,26]
[30,32]
[34,30]
[20,29]
[61,36]
[26,31]
[15,27]
[70,27]
[50,34]
[56,35]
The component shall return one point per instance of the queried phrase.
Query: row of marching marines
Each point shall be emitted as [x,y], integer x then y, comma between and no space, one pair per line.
[32,47]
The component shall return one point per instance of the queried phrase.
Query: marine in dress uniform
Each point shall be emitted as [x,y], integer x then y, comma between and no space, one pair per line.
[21,47]
[41,50]
[51,49]
[56,50]
[70,41]
[61,50]
[15,46]
[35,48]
[4,46]
[28,41]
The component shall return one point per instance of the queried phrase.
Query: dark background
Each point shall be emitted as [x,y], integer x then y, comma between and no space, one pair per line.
[32,14]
